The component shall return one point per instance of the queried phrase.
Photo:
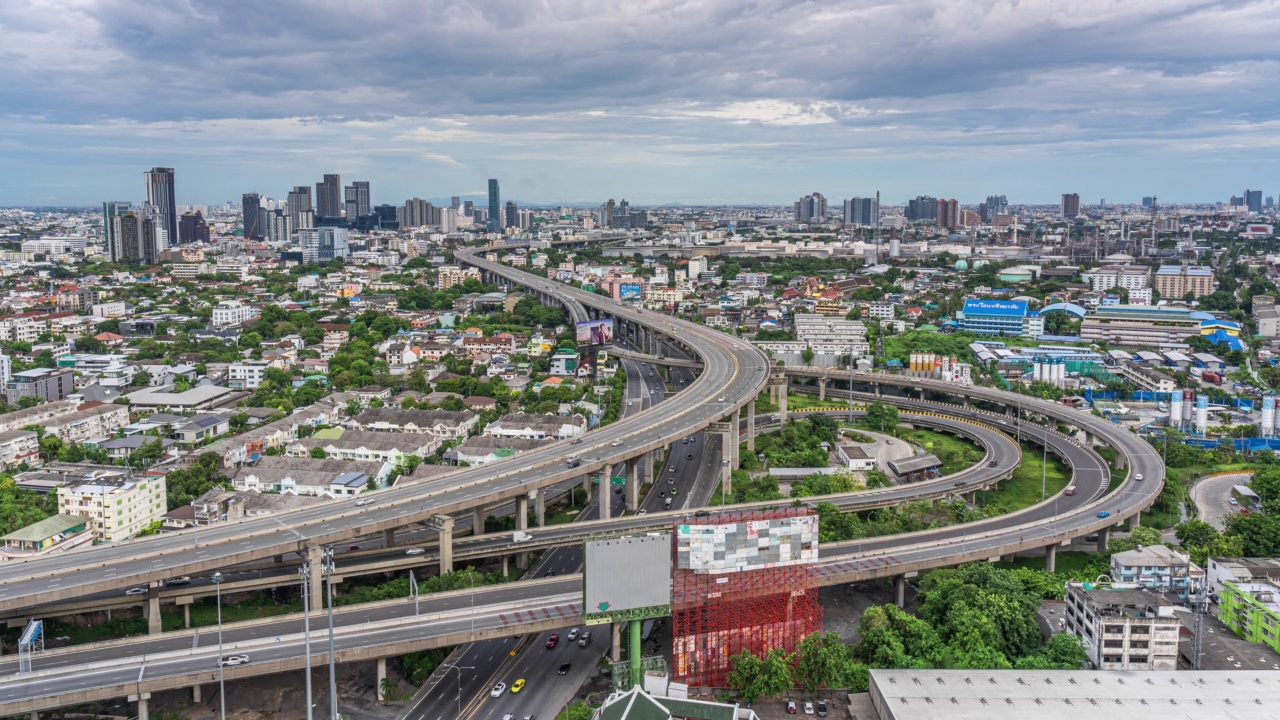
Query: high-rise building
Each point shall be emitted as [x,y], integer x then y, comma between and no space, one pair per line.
[455,202]
[251,216]
[468,208]
[112,209]
[606,213]
[164,208]
[1270,202]
[860,211]
[810,208]
[1253,200]
[192,228]
[995,205]
[329,197]
[323,244]
[1175,281]
[511,217]
[948,214]
[299,202]
[1236,202]
[136,238]
[495,207]
[1070,205]
[416,212]
[277,226]
[1148,201]
[923,207]
[357,199]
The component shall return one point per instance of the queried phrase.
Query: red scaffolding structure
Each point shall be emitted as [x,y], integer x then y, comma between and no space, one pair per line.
[717,616]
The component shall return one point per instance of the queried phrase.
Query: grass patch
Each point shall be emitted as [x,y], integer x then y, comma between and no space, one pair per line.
[204,612]
[114,629]
[805,402]
[1023,489]
[955,453]
[1185,475]
[1160,519]
[1068,562]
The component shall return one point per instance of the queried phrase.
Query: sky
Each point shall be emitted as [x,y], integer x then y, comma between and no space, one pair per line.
[656,101]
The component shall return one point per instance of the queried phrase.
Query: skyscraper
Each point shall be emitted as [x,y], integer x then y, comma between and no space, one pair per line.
[192,228]
[1070,205]
[277,226]
[455,202]
[299,202]
[1253,200]
[357,199]
[495,207]
[1148,201]
[606,213]
[948,214]
[137,240]
[512,218]
[810,208]
[164,208]
[860,211]
[329,197]
[923,207]
[251,210]
[112,209]
[415,213]
[995,205]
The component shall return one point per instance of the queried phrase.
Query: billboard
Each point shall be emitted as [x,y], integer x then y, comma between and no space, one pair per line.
[627,578]
[629,291]
[595,332]
[747,545]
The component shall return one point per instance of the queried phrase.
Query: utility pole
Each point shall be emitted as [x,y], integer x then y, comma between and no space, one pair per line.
[305,571]
[333,678]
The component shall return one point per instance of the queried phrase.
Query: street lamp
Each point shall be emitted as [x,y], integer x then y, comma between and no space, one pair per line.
[217,579]
[458,670]
[305,572]
[333,678]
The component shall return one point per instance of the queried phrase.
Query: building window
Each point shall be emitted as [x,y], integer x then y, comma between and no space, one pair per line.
[1116,629]
[1138,659]
[1112,658]
[1139,630]
[1113,644]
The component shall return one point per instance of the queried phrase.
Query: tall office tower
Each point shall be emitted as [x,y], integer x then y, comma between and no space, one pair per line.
[357,199]
[415,213]
[996,205]
[455,202]
[923,207]
[810,208]
[388,216]
[329,197]
[948,214]
[299,202]
[1253,200]
[606,213]
[468,208]
[1148,201]
[495,207]
[860,211]
[1236,202]
[1270,202]
[112,209]
[1070,205]
[192,228]
[251,213]
[164,208]
[511,215]
[277,226]
[138,239]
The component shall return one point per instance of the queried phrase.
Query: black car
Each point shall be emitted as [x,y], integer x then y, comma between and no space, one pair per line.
[689,456]
[564,669]
[822,708]
[993,463]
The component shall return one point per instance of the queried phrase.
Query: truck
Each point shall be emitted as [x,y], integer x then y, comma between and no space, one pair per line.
[520,536]
[1210,377]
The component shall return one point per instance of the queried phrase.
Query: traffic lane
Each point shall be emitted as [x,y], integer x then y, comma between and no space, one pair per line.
[684,477]
[450,689]
[1212,497]
[539,667]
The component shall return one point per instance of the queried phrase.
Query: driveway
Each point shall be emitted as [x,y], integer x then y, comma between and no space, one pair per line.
[1211,498]
[884,451]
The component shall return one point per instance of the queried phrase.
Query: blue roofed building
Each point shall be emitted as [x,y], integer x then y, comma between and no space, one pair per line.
[1000,317]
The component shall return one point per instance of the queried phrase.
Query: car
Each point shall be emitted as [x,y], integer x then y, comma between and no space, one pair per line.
[1104,514]
[1137,476]
[1233,501]
[674,491]
[822,708]
[684,441]
[584,639]
[414,551]
[136,591]
[959,483]
[993,463]
[889,441]
[575,441]
[352,548]
[553,641]
[615,443]
[549,573]
[725,463]
[688,456]
[173,582]
[791,707]
[643,512]
[564,668]
[629,403]
[1244,511]
[573,635]
[508,716]
[517,686]
[662,494]
[364,501]
[808,708]
[498,690]
[1071,490]
[673,468]
[671,481]
[720,399]
[702,513]
[234,660]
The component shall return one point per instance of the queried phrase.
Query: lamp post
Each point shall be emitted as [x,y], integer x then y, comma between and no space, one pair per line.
[217,579]
[333,678]
[458,671]
[305,572]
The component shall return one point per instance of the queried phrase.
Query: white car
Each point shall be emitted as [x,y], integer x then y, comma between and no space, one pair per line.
[573,634]
[1232,501]
[615,443]
[364,501]
[498,690]
[234,660]
[173,582]
[808,708]
[414,551]
[1137,476]
[628,403]
[136,591]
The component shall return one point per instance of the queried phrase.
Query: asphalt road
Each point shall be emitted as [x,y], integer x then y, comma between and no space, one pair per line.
[1213,498]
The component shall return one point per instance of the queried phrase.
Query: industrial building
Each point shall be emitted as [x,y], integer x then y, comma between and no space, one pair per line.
[1140,325]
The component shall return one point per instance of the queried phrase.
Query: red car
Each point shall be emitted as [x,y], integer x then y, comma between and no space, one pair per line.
[791,707]
[553,641]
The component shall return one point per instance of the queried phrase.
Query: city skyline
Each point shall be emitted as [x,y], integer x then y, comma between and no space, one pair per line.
[1108,100]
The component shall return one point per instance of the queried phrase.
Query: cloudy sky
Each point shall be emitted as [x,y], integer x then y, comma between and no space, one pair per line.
[697,101]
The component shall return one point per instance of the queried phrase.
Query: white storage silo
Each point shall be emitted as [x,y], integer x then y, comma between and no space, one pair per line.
[1175,409]
[1202,414]
[1268,417]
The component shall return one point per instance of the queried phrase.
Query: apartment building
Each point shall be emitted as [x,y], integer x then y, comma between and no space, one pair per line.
[449,275]
[116,505]
[1266,315]
[247,374]
[1145,378]
[230,313]
[445,424]
[17,447]
[1158,568]
[1123,627]
[45,383]
[1129,277]
[1251,609]
[880,310]
[98,421]
[1175,281]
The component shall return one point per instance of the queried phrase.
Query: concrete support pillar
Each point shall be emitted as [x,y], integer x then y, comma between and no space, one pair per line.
[522,523]
[444,526]
[900,590]
[505,569]
[540,506]
[186,616]
[195,695]
[877,386]
[616,652]
[633,484]
[1135,521]
[382,675]
[1120,464]
[143,712]
[735,427]
[586,487]
[751,426]
[1010,410]
[782,405]
[477,521]
[1103,535]
[922,394]
[389,538]
[1088,439]
[1050,558]
[153,609]
[315,560]
[822,388]
[966,403]
[606,494]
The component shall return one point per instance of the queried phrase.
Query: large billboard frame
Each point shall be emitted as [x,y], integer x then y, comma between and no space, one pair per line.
[630,291]
[626,577]
[595,332]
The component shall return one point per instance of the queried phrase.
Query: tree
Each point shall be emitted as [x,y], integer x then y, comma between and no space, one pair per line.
[820,661]
[1194,533]
[807,355]
[319,453]
[1141,536]
[882,417]
[1266,483]
[755,677]
[1259,533]
[142,378]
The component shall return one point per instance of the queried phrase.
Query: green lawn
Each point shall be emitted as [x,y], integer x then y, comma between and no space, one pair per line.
[1024,488]
[204,612]
[804,402]
[1067,562]
[956,453]
[1185,474]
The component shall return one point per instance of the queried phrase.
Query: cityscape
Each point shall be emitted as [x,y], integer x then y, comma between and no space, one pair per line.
[664,398]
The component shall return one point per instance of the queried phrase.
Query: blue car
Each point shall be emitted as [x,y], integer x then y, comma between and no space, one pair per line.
[1104,514]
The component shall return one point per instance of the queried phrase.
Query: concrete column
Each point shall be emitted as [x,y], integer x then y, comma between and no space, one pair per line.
[505,569]
[143,713]
[522,512]
[650,467]
[877,389]
[1135,521]
[1103,535]
[726,469]
[1050,558]
[751,426]
[633,484]
[153,609]
[616,652]
[922,394]
[1120,464]
[782,405]
[444,526]
[900,590]
[186,616]
[315,559]
[540,506]
[822,388]
[1088,439]
[966,403]
[735,427]
[586,487]
[389,538]
[195,695]
[477,521]
[606,494]
[382,675]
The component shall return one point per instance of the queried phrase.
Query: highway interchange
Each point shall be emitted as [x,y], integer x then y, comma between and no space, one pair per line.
[731,373]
